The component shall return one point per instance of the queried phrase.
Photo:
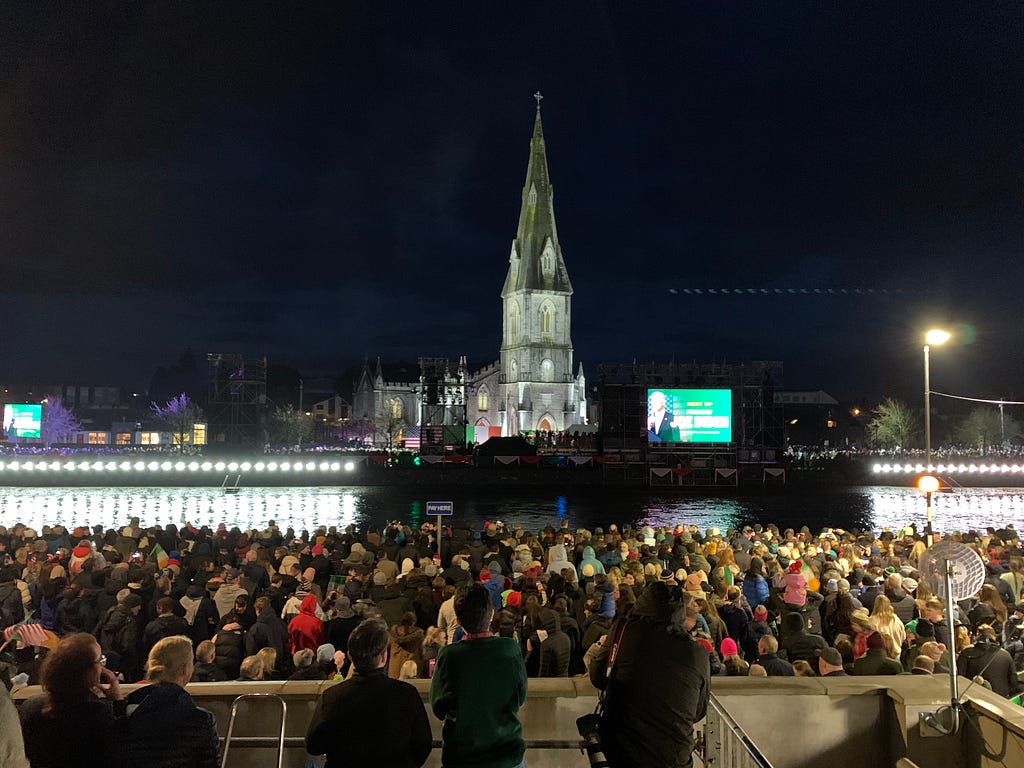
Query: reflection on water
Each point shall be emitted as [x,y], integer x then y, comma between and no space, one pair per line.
[532,508]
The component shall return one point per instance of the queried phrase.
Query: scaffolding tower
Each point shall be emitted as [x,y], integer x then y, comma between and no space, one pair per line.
[443,414]
[762,426]
[237,400]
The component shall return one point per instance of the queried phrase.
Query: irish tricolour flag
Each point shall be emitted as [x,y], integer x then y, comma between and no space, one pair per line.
[160,556]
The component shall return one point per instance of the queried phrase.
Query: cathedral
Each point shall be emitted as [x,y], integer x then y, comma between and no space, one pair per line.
[531,387]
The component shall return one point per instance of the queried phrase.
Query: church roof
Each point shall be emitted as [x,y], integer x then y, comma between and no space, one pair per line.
[537,233]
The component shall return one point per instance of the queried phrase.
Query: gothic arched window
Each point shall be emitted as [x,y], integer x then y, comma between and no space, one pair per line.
[481,399]
[547,319]
[513,322]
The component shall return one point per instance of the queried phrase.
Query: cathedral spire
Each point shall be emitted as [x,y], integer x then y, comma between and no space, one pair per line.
[536,259]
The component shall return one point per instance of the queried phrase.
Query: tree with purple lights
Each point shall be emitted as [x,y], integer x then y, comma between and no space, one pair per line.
[59,423]
[178,416]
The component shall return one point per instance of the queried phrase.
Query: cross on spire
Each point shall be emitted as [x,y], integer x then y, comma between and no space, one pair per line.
[538,96]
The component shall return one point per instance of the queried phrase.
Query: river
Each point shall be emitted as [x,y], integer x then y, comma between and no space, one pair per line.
[532,508]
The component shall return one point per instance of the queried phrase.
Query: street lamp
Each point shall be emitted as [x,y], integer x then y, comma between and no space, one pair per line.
[935,337]
[928,484]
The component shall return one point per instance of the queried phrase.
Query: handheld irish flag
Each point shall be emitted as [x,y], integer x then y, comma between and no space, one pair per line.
[812,581]
[160,556]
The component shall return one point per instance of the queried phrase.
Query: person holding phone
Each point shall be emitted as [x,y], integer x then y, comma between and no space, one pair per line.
[81,702]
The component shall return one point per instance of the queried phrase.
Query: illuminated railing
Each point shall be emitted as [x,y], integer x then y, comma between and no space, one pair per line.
[951,468]
[16,466]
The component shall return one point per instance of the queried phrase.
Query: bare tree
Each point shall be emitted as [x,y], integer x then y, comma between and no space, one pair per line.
[59,423]
[179,417]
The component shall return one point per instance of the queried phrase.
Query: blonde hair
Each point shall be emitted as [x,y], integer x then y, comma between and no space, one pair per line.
[409,671]
[268,656]
[882,608]
[169,659]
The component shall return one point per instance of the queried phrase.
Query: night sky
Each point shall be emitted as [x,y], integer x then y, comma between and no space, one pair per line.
[317,182]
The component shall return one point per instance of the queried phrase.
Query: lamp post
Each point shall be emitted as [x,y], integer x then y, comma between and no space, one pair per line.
[928,484]
[935,336]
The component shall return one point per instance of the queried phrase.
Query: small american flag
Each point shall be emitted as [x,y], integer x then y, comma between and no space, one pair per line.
[31,633]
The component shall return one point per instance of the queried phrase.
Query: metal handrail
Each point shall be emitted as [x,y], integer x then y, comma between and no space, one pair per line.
[299,742]
[738,736]
[281,740]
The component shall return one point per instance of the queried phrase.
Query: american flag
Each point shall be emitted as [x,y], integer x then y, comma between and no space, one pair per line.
[31,633]
[411,437]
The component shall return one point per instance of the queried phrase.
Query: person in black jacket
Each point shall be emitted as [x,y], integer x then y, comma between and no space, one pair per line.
[767,657]
[799,644]
[653,653]
[993,664]
[387,714]
[554,646]
[166,624]
[205,671]
[164,727]
[267,632]
[12,609]
[118,636]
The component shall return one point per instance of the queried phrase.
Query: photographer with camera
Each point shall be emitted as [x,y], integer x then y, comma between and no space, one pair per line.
[656,681]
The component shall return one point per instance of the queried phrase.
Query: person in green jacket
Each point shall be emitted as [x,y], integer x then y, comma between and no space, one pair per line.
[479,684]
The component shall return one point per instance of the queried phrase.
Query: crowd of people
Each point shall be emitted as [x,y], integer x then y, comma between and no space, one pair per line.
[631,608]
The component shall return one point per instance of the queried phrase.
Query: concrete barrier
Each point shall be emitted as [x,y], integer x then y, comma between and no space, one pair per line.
[792,722]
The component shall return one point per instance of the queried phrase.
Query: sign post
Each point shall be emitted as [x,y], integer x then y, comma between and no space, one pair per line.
[440,508]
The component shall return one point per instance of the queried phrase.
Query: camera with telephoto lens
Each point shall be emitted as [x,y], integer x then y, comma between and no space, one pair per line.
[588,727]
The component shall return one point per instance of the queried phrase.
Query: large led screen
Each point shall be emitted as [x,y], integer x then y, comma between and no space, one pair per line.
[689,416]
[23,420]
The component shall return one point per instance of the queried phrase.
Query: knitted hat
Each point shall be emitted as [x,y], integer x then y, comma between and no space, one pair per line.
[760,613]
[325,653]
[925,628]
[795,566]
[379,579]
[343,607]
[317,550]
[494,567]
[909,584]
[875,640]
[729,648]
[831,656]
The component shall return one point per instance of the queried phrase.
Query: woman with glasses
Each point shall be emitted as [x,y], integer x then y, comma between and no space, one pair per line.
[81,704]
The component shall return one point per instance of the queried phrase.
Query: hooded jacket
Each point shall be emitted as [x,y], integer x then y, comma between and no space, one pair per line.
[589,559]
[165,729]
[306,630]
[556,648]
[558,559]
